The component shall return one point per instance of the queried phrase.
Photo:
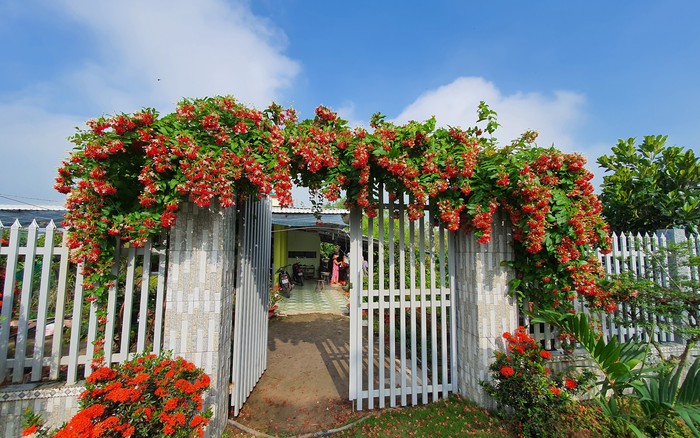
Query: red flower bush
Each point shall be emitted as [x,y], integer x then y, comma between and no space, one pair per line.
[147,396]
[521,380]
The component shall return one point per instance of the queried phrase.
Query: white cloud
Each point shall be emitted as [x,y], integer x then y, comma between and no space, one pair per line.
[145,54]
[33,145]
[155,53]
[554,117]
[348,112]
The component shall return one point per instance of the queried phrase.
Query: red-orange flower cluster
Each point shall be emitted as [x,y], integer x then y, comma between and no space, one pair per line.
[507,371]
[156,395]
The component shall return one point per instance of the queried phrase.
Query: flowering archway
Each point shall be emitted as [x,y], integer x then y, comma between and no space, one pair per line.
[129,173]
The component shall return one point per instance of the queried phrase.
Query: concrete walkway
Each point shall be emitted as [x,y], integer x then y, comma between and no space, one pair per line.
[308,299]
[305,387]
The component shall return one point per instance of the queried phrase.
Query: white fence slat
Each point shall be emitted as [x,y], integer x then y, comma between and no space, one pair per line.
[423,305]
[242,313]
[646,267]
[236,373]
[392,306]
[355,357]
[160,297]
[616,251]
[247,304]
[632,247]
[433,309]
[61,289]
[402,300]
[693,251]
[247,319]
[74,348]
[111,323]
[143,304]
[253,304]
[443,311]
[382,296]
[25,300]
[451,245]
[42,310]
[127,304]
[264,272]
[622,331]
[664,277]
[12,251]
[355,254]
[91,338]
[413,307]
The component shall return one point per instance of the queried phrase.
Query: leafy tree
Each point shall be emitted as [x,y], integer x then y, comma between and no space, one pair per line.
[652,186]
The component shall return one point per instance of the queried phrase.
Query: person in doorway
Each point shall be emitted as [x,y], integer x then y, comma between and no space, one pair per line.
[365,266]
[344,274]
[335,269]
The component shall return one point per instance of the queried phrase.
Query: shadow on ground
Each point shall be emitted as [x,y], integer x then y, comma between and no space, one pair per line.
[305,386]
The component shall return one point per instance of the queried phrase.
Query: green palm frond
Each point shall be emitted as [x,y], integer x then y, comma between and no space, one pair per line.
[615,360]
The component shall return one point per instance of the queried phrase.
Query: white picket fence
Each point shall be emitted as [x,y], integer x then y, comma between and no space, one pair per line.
[47,328]
[402,320]
[632,253]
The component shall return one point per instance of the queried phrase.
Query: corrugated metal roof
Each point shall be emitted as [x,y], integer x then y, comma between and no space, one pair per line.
[290,217]
[308,220]
[306,210]
[20,207]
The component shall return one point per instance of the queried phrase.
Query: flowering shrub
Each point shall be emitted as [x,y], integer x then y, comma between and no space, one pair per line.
[522,382]
[128,175]
[148,396]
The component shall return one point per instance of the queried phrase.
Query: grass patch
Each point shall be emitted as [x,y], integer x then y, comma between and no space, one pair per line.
[448,417]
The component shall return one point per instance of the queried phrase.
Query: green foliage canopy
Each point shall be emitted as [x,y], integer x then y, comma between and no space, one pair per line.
[650,186]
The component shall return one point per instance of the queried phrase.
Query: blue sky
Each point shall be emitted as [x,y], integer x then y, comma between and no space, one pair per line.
[583,74]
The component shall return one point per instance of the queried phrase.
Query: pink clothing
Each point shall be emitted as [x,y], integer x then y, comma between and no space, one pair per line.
[334,275]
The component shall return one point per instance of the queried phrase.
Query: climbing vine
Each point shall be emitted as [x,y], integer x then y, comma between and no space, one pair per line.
[128,174]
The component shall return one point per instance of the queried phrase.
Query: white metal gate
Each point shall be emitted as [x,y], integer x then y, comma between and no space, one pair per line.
[249,355]
[402,347]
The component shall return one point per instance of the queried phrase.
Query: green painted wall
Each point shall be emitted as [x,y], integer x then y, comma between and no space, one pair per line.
[305,241]
[279,248]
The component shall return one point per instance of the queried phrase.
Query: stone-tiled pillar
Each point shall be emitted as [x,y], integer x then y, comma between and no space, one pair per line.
[200,288]
[485,307]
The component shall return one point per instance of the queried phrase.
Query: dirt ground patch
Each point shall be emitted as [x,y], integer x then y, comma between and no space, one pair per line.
[305,386]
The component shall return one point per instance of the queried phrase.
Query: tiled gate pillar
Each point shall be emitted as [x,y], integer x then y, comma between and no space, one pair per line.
[485,308]
[198,308]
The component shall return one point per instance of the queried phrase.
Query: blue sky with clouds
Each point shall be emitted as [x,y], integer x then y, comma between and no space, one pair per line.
[583,74]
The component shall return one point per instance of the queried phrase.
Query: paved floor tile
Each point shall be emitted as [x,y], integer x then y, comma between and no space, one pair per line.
[306,299]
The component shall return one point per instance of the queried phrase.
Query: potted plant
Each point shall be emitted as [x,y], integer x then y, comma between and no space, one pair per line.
[275,297]
[327,249]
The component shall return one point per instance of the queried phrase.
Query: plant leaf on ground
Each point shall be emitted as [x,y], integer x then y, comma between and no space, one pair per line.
[448,417]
